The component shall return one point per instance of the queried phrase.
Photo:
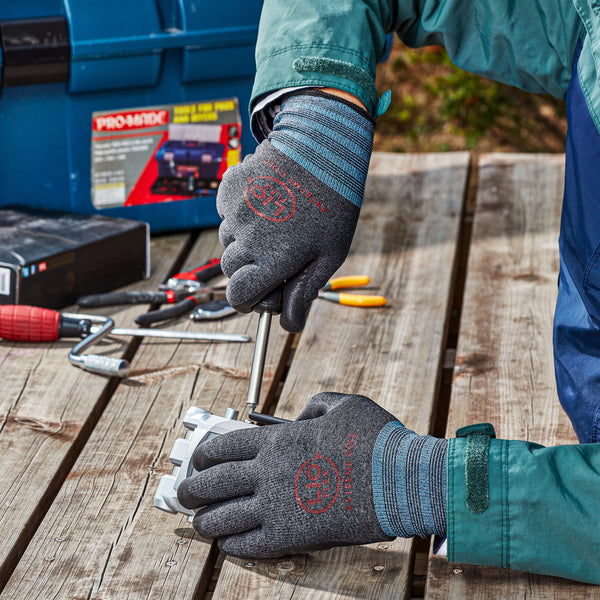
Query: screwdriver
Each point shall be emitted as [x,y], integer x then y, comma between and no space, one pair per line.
[268,307]
[35,324]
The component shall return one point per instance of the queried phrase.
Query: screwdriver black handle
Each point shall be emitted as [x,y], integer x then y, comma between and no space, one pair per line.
[163,314]
[271,303]
[137,297]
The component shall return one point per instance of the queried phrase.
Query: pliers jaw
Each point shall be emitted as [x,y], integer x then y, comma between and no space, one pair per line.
[194,279]
[182,285]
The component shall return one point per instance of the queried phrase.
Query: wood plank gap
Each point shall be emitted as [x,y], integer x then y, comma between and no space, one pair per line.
[459,276]
[183,255]
[210,574]
[419,568]
[216,572]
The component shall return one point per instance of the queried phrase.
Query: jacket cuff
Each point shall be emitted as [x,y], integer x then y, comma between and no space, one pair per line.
[289,67]
[477,536]
[542,508]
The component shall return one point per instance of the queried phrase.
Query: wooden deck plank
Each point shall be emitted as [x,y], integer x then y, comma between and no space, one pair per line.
[47,409]
[406,242]
[504,367]
[113,542]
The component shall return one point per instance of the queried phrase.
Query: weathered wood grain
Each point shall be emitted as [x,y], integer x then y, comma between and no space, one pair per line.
[504,368]
[103,534]
[406,242]
[47,410]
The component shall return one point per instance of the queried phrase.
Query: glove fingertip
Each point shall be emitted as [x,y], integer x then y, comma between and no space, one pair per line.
[294,308]
[226,236]
[238,292]
[243,308]
[245,545]
[201,459]
[248,285]
[185,496]
[238,445]
[300,291]
[292,321]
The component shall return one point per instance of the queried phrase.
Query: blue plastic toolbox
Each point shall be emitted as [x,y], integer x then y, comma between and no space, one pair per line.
[96,96]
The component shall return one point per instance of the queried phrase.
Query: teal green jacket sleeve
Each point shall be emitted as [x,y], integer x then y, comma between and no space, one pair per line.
[338,44]
[542,507]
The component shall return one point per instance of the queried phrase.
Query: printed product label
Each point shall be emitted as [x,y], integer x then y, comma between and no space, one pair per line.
[163,153]
[317,484]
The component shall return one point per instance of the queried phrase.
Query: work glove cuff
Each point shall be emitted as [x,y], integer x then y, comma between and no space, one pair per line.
[329,137]
[410,482]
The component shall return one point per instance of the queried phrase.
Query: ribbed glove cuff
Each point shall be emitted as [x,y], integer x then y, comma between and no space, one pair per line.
[409,482]
[329,138]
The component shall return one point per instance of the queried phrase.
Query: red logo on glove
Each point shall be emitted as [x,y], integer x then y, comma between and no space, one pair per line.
[270,198]
[317,484]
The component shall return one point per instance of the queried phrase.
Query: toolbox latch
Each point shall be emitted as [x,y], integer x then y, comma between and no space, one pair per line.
[35,51]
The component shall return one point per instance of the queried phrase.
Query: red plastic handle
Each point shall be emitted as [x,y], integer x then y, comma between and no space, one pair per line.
[28,323]
[202,273]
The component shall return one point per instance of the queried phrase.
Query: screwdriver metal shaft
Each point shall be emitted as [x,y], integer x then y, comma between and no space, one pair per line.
[180,335]
[258,360]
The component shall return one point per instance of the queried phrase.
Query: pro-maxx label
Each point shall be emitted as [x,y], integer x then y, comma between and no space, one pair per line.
[163,153]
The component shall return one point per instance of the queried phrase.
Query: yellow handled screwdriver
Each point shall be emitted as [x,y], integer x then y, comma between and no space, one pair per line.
[350,281]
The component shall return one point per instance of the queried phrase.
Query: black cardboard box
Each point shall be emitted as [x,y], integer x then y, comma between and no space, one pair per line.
[50,258]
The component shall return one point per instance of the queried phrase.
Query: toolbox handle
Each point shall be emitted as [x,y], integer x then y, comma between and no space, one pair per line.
[169,13]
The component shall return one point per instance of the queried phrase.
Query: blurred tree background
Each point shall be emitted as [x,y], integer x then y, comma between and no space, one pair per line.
[437,107]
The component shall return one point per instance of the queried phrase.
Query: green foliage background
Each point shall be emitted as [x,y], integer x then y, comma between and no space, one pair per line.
[438,107]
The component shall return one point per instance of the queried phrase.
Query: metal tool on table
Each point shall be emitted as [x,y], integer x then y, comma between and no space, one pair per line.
[350,299]
[194,279]
[183,307]
[193,284]
[176,289]
[182,292]
[215,309]
[35,324]
[201,426]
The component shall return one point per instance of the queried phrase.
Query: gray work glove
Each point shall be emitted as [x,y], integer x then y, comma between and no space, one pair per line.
[290,209]
[283,489]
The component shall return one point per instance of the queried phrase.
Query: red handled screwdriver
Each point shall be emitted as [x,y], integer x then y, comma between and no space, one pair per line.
[35,324]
